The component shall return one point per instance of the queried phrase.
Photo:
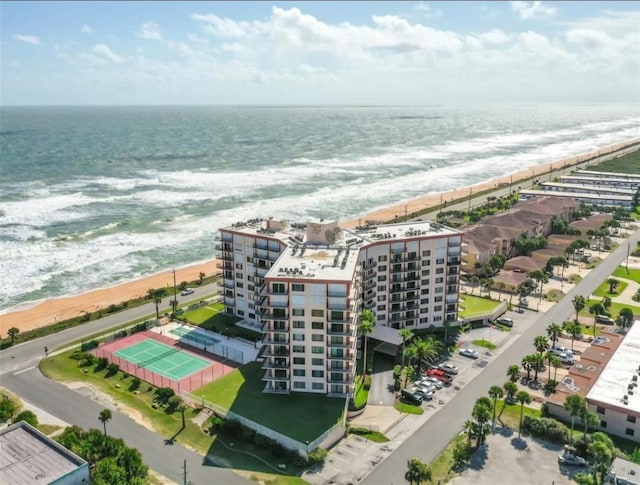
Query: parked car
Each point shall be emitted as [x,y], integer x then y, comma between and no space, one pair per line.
[566,358]
[559,350]
[507,322]
[449,368]
[605,320]
[187,291]
[468,352]
[425,384]
[571,459]
[440,375]
[426,394]
[411,397]
[434,380]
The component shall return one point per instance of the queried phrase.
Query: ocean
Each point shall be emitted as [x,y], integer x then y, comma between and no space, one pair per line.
[94,196]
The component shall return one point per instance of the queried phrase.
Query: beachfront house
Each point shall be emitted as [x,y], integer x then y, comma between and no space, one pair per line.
[304,286]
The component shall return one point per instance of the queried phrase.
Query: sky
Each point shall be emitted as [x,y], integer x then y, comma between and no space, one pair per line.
[318,53]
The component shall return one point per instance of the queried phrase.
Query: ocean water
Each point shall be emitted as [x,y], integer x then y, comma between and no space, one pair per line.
[92,196]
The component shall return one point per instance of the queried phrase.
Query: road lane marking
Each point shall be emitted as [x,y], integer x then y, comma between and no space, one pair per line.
[24,370]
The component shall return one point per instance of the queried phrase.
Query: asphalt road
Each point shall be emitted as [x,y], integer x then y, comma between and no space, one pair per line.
[19,373]
[432,437]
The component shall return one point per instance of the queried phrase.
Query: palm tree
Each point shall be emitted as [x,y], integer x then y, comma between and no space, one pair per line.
[579,303]
[405,334]
[495,392]
[104,417]
[426,349]
[411,353]
[588,419]
[574,405]
[602,457]
[446,325]
[475,281]
[366,327]
[13,333]
[501,288]
[541,344]
[489,285]
[157,300]
[418,472]
[513,371]
[549,356]
[613,284]
[555,362]
[625,318]
[537,362]
[538,276]
[527,364]
[481,413]
[523,398]
[553,332]
[574,329]
[606,303]
[469,427]
[200,277]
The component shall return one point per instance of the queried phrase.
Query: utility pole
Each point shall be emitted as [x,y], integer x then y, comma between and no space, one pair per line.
[470,193]
[184,473]
[175,292]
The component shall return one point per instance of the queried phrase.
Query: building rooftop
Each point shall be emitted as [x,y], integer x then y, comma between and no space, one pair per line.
[594,188]
[524,263]
[577,195]
[27,456]
[592,173]
[624,471]
[584,179]
[621,375]
[282,230]
[402,231]
[320,262]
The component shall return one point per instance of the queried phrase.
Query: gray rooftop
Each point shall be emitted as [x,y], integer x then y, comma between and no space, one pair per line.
[403,230]
[318,262]
[27,456]
[615,379]
[577,195]
[625,471]
[594,188]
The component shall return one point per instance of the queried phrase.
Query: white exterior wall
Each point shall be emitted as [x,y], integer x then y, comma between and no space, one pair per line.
[616,421]
[79,476]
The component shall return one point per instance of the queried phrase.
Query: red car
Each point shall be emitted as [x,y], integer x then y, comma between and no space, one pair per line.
[440,375]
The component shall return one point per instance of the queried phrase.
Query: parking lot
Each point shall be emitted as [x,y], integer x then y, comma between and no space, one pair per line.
[507,459]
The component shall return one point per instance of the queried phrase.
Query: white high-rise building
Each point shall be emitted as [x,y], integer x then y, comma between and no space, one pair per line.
[307,284]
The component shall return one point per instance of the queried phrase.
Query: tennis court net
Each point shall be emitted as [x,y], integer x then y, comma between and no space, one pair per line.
[156,358]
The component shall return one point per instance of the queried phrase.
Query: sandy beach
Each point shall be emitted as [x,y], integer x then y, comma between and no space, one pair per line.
[57,309]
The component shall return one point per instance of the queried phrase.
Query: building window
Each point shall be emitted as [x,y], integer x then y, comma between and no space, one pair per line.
[382,267]
[317,350]
[426,272]
[425,282]
[631,419]
[426,253]
[382,297]
[317,361]
[298,337]
[317,386]
[629,432]
[437,299]
[440,261]
[298,360]
[380,317]
[298,324]
[382,278]
[603,424]
[239,284]
[317,325]
[298,372]
[426,262]
[439,270]
[298,348]
[382,308]
[439,280]
[317,313]
[239,266]
[600,410]
[297,287]
[382,288]
[424,291]
[317,373]
[437,319]
[424,310]
[241,313]
[382,259]
[437,308]
[299,385]
[278,287]
[298,312]
[317,337]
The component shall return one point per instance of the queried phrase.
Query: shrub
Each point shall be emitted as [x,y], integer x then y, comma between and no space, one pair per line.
[231,427]
[367,383]
[461,454]
[317,456]
[28,417]
[91,344]
[278,451]
[173,404]
[112,370]
[247,435]
[261,441]
[89,360]
[101,364]
[163,394]
[8,408]
[545,428]
[397,370]
[135,384]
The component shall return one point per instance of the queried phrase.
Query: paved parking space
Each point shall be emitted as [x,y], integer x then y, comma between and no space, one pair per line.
[507,459]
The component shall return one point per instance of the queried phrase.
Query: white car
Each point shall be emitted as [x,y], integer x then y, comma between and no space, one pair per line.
[559,350]
[187,291]
[436,382]
[468,352]
[449,368]
[566,359]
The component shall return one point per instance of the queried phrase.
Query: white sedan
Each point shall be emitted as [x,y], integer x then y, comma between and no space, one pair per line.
[468,352]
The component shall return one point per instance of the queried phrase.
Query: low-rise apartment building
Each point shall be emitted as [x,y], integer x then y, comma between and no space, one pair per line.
[305,286]
[596,199]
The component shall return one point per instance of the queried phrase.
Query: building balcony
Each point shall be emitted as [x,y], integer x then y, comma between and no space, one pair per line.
[342,333]
[345,369]
[227,283]
[225,255]
[341,345]
[277,304]
[229,301]
[276,352]
[275,338]
[368,285]
[271,389]
[367,266]
[367,276]
[274,316]
[224,265]
[346,356]
[275,363]
[270,328]
[344,320]
[269,376]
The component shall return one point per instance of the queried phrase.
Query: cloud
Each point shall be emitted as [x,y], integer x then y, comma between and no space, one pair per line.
[426,10]
[104,51]
[532,10]
[29,39]
[86,29]
[149,30]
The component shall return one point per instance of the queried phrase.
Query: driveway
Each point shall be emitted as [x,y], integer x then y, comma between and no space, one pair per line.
[507,459]
[381,391]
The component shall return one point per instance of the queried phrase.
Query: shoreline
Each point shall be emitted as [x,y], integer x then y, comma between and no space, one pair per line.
[52,310]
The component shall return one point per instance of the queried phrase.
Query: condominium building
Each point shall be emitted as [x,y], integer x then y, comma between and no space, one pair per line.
[305,285]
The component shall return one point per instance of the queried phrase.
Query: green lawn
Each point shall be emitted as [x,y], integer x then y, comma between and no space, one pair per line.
[212,317]
[301,416]
[408,408]
[632,274]
[62,368]
[614,309]
[473,306]
[603,289]
[511,414]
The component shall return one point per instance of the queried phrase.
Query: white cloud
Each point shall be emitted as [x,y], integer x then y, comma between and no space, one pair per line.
[29,39]
[426,10]
[532,10]
[86,29]
[104,51]
[494,36]
[149,30]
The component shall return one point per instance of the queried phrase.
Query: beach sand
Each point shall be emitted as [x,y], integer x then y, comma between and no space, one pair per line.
[57,309]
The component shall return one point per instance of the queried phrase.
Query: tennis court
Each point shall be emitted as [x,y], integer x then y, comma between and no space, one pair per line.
[162,359]
[194,336]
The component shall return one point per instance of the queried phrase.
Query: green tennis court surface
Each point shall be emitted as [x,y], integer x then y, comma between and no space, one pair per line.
[162,359]
[194,336]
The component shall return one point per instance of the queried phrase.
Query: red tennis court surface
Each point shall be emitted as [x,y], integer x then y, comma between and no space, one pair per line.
[216,369]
